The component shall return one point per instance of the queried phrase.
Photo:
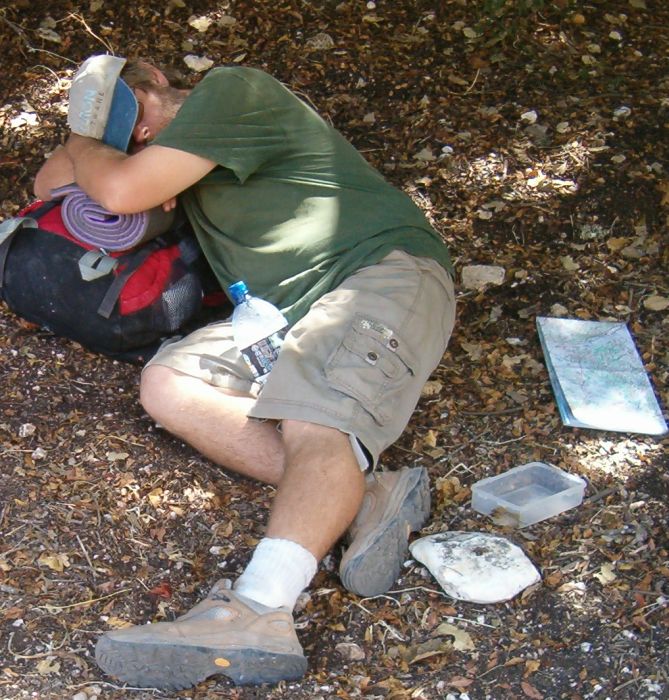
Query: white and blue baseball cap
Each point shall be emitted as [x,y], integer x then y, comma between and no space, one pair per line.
[102,105]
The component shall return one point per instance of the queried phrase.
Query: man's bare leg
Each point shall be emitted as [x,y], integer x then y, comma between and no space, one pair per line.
[321,489]
[247,632]
[214,423]
[320,485]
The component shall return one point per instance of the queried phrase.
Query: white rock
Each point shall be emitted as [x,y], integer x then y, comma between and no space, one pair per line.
[559,310]
[656,303]
[198,64]
[302,601]
[425,155]
[479,276]
[26,430]
[321,42]
[474,566]
[200,23]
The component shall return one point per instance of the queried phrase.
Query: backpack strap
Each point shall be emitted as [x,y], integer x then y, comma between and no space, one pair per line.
[95,264]
[7,230]
[132,263]
[189,250]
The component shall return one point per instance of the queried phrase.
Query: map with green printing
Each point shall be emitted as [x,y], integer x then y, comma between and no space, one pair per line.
[597,376]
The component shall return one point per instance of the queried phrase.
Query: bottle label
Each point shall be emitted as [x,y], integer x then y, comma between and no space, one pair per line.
[261,356]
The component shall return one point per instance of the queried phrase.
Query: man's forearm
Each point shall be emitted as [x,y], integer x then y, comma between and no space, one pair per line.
[93,164]
[56,171]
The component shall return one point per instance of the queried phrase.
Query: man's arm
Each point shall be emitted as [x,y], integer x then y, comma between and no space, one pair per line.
[56,171]
[126,184]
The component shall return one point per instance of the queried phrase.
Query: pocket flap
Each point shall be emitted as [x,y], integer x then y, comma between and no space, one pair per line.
[379,346]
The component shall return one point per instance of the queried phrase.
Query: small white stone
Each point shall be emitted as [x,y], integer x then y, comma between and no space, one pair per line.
[321,42]
[26,430]
[198,64]
[480,276]
[350,650]
[559,310]
[302,601]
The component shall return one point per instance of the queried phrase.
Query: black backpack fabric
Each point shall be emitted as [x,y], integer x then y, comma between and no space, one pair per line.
[120,304]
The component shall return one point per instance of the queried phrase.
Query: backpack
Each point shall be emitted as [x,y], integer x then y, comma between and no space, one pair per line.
[121,304]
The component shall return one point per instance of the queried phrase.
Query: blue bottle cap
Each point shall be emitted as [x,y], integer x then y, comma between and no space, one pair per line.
[238,292]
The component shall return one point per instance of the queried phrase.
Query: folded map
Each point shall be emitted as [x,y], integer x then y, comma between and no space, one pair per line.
[597,376]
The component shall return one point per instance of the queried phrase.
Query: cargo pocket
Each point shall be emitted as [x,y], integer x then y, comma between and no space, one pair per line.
[372,365]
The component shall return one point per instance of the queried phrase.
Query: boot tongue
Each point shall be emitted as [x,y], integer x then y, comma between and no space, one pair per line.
[215,612]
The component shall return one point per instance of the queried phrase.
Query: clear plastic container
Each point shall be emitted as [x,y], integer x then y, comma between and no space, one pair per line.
[527,494]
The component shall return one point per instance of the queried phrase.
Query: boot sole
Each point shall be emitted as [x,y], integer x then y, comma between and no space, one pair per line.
[374,569]
[176,667]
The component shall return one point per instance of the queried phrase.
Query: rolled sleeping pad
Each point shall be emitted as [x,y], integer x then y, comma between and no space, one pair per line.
[93,225]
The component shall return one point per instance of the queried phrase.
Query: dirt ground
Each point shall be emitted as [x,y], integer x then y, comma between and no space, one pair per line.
[534,136]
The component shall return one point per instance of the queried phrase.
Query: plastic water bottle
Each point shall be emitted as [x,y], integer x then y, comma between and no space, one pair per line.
[258,328]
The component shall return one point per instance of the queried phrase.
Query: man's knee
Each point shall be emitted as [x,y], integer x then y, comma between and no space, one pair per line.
[301,436]
[155,389]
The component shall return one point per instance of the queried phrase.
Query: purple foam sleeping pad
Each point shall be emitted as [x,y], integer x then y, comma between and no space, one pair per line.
[92,224]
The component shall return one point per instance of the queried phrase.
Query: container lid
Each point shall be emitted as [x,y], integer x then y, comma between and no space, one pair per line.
[238,292]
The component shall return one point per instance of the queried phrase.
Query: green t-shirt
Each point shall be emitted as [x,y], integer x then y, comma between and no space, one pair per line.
[293,208]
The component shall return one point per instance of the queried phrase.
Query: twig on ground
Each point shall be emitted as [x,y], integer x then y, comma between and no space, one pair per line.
[602,494]
[88,559]
[40,655]
[22,33]
[59,608]
[501,412]
[427,590]
[393,632]
[82,21]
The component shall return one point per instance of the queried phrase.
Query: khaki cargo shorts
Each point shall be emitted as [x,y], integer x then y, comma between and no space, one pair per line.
[356,362]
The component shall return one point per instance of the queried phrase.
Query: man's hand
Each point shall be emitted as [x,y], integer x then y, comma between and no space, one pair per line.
[170,204]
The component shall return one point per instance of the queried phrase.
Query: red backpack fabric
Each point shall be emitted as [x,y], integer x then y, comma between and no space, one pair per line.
[120,304]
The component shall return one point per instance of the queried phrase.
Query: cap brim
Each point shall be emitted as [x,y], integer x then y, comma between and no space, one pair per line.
[122,117]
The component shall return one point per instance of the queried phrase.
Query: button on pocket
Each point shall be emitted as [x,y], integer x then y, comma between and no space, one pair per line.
[372,366]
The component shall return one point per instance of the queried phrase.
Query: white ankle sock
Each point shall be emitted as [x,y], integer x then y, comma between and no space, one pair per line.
[278,572]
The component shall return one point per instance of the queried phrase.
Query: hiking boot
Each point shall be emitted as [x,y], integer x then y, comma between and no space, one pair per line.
[225,633]
[395,504]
